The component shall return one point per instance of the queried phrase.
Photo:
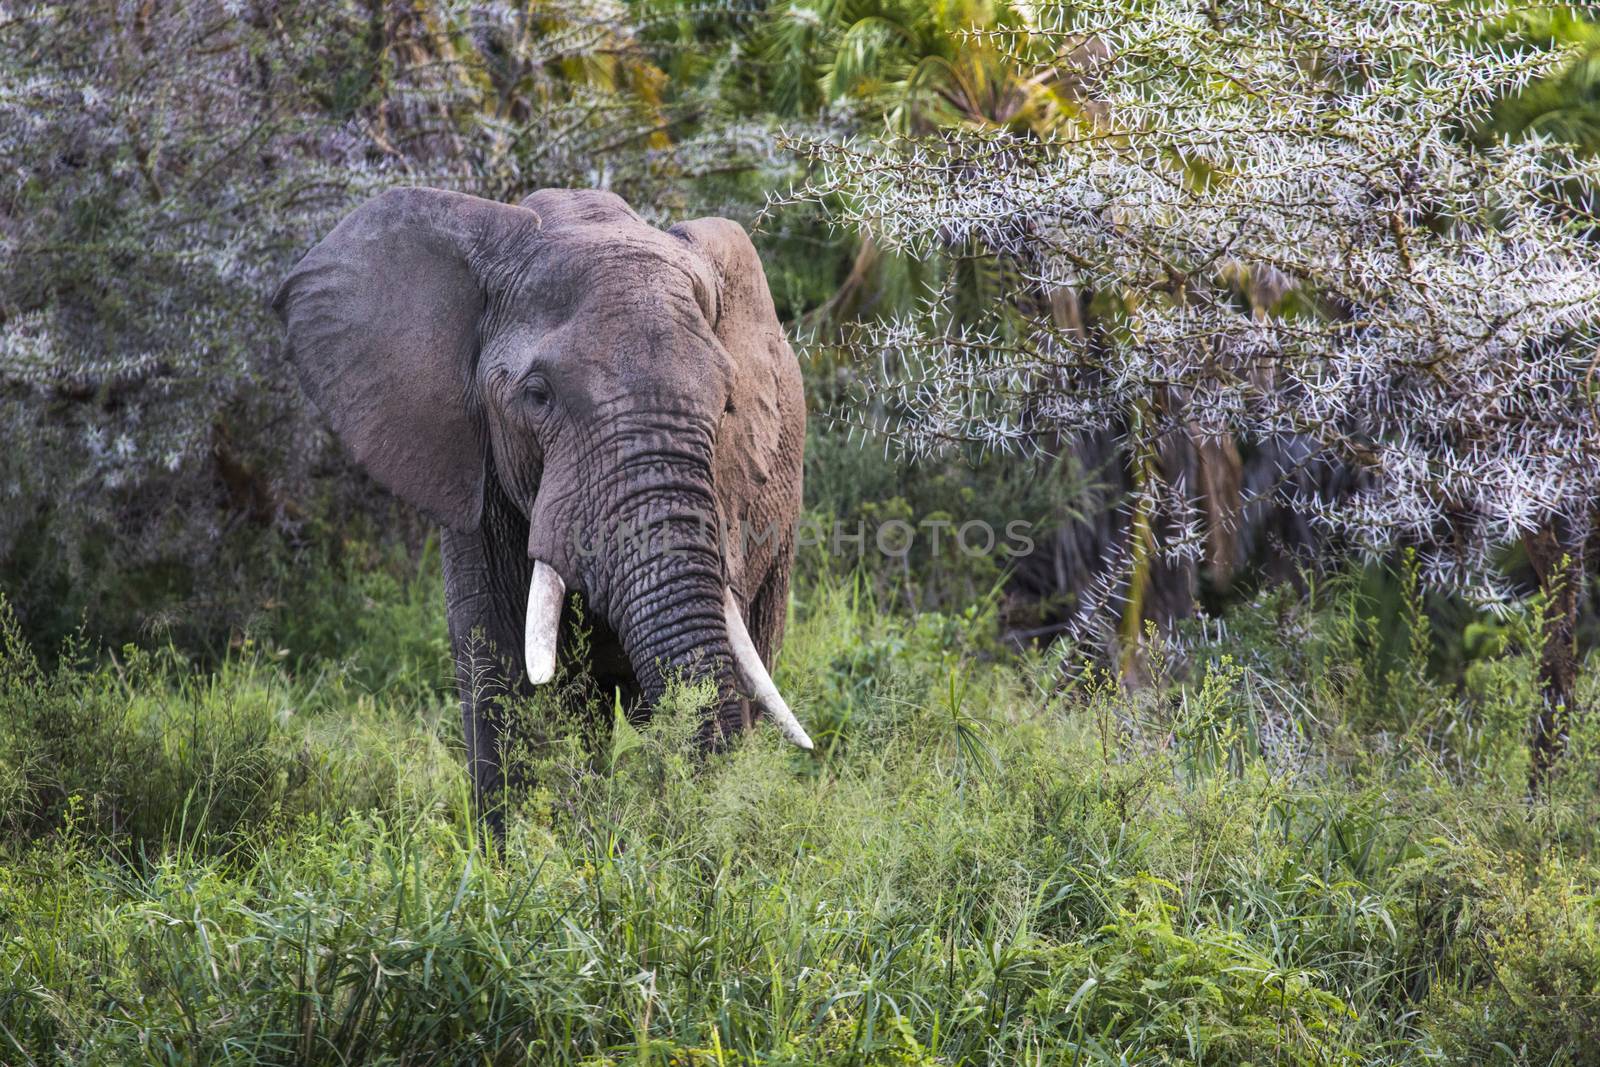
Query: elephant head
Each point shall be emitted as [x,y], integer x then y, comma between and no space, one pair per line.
[604,374]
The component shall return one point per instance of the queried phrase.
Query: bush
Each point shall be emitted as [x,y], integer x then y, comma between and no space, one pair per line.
[139,752]
[1510,958]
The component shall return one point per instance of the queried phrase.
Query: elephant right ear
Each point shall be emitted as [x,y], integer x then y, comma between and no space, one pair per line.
[383,331]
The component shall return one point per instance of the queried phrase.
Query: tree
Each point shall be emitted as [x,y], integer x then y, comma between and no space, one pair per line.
[167,162]
[1290,236]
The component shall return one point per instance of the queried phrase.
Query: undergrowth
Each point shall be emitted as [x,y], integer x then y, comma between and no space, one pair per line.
[1287,847]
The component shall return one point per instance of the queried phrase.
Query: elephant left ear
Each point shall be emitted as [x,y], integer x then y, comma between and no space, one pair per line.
[768,400]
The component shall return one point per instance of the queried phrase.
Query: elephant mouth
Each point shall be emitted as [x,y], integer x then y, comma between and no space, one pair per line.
[542,633]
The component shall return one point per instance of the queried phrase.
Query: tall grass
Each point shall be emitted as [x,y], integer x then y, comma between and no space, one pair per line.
[1278,851]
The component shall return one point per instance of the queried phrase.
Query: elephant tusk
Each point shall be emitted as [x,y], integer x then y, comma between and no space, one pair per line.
[754,677]
[545,596]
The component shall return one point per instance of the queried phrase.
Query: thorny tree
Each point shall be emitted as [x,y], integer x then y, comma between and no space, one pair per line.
[165,163]
[1287,231]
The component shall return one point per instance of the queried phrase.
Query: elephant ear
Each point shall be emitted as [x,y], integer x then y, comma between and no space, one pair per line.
[747,324]
[382,317]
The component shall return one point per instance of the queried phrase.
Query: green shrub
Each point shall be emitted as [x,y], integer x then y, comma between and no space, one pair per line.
[1509,954]
[145,753]
[374,618]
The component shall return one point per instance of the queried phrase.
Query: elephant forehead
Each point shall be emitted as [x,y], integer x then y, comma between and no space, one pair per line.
[615,263]
[610,347]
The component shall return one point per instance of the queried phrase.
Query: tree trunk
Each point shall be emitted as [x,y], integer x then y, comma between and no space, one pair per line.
[1556,552]
[1221,471]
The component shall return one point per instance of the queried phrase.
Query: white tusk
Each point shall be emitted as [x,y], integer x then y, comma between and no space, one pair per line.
[754,677]
[546,594]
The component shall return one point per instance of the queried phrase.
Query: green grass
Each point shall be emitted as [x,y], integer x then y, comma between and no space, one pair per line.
[1285,850]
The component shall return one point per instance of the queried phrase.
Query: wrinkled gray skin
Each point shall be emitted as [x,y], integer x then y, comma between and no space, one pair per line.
[520,373]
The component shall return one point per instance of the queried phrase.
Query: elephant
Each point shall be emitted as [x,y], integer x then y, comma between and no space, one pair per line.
[536,378]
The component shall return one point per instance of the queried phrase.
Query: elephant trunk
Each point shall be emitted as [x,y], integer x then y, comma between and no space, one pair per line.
[688,641]
[653,570]
[683,620]
[664,600]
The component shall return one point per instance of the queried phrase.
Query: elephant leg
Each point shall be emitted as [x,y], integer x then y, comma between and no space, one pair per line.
[486,597]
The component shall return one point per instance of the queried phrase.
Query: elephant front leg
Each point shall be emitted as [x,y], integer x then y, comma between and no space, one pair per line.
[485,597]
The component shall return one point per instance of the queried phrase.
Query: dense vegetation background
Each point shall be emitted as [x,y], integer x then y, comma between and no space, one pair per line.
[1276,809]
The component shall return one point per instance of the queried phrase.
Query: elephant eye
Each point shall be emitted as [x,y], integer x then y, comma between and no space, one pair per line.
[537,391]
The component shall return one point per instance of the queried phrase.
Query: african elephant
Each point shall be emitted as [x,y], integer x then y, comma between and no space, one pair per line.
[551,382]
